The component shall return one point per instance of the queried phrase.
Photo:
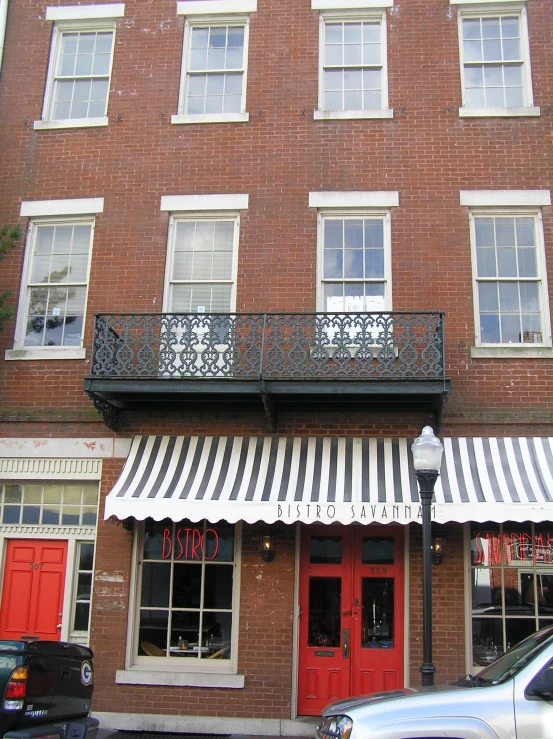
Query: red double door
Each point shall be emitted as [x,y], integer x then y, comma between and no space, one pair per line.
[32,591]
[351,613]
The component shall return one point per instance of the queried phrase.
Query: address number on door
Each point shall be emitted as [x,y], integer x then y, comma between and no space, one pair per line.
[36,565]
[378,570]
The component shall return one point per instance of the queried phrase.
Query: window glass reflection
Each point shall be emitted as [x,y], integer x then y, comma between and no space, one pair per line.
[377,612]
[325,550]
[325,597]
[377,550]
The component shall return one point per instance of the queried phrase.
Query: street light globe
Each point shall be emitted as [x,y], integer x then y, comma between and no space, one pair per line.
[427,451]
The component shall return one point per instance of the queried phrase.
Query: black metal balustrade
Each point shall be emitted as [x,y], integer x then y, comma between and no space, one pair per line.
[263,347]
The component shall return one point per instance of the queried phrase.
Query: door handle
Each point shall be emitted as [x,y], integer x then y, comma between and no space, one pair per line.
[58,626]
[345,642]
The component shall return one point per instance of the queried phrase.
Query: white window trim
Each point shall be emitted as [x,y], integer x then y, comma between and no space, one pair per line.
[355,212]
[199,203]
[20,351]
[53,208]
[213,12]
[495,7]
[210,215]
[87,23]
[507,351]
[351,11]
[148,671]
[85,12]
[213,7]
[350,4]
[354,199]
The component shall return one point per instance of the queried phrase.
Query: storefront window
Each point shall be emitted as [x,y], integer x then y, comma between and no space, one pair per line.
[186,578]
[512,585]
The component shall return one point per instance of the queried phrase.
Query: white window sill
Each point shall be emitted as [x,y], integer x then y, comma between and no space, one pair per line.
[499,112]
[179,678]
[342,115]
[72,123]
[57,352]
[212,118]
[519,351]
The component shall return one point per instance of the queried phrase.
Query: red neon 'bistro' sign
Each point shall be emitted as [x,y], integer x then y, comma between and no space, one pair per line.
[188,543]
[492,548]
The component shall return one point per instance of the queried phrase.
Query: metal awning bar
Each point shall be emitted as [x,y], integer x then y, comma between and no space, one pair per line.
[330,479]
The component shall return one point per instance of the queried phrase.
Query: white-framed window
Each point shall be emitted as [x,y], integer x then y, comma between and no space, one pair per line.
[202,254]
[187,596]
[82,591]
[510,287]
[353,79]
[81,56]
[495,59]
[354,249]
[52,304]
[214,62]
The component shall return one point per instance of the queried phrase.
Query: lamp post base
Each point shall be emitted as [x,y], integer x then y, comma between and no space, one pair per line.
[427,671]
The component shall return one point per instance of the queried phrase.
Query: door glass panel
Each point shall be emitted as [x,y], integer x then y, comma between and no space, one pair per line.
[325,597]
[377,550]
[377,614]
[325,550]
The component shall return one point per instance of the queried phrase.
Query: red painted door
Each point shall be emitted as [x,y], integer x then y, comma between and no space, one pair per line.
[32,593]
[351,613]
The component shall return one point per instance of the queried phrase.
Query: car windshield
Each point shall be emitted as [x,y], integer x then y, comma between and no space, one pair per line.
[516,658]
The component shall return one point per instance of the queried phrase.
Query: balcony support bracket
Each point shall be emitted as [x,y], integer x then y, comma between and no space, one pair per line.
[109,412]
[268,405]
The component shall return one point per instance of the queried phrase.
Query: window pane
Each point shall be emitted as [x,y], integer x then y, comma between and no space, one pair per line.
[155,584]
[325,595]
[153,630]
[218,586]
[325,550]
[187,585]
[82,613]
[86,556]
[377,550]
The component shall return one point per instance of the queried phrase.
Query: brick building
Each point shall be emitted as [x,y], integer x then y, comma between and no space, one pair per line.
[265,244]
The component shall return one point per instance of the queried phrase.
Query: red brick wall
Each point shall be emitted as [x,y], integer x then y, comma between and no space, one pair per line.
[426,152]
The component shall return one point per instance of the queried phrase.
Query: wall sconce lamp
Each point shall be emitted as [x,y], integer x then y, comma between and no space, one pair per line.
[267,547]
[438,545]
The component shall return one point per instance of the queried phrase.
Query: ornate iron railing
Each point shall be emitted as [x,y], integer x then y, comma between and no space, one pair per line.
[238,346]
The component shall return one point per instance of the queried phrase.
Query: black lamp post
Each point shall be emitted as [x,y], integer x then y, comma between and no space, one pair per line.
[427,459]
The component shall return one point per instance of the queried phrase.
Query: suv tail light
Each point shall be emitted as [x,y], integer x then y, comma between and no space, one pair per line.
[14,695]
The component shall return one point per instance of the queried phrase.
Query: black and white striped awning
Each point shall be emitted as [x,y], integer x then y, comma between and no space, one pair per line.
[329,479]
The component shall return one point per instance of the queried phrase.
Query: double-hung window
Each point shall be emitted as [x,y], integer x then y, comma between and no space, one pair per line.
[354,251]
[495,59]
[214,64]
[200,284]
[354,272]
[352,60]
[50,319]
[77,87]
[202,252]
[510,287]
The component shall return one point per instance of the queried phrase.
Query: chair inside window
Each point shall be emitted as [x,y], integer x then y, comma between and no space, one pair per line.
[151,649]
[219,653]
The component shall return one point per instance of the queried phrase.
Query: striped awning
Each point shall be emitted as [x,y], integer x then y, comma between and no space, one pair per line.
[346,480]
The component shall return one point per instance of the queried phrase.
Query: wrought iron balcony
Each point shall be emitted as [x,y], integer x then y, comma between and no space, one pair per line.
[284,357]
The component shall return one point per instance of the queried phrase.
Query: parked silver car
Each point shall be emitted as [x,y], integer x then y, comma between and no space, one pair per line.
[510,699]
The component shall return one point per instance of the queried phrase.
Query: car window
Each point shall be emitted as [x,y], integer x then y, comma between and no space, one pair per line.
[516,658]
